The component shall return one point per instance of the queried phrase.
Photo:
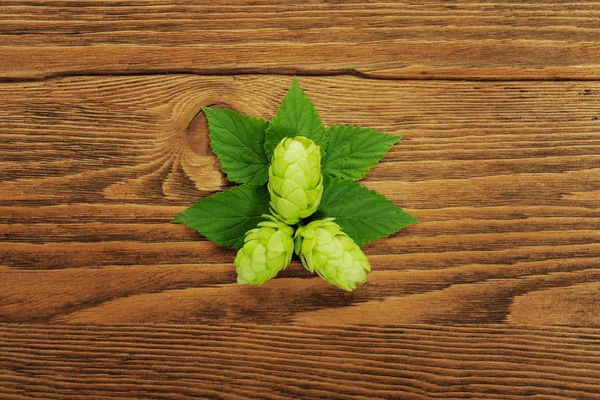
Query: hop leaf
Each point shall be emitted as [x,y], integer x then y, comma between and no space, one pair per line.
[323,248]
[363,214]
[225,217]
[295,180]
[296,116]
[352,151]
[238,141]
[267,250]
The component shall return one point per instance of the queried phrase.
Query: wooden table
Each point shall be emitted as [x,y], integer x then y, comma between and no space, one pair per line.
[494,294]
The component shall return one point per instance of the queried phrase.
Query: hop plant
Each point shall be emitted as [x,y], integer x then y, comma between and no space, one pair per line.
[267,250]
[294,167]
[325,249]
[295,180]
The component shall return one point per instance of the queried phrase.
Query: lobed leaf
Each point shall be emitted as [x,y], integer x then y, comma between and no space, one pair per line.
[352,151]
[362,213]
[225,217]
[296,116]
[238,141]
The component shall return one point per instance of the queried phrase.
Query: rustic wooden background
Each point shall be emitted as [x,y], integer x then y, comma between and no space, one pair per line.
[494,294]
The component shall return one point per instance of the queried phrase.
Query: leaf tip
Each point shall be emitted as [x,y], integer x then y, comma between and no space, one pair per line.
[408,219]
[296,89]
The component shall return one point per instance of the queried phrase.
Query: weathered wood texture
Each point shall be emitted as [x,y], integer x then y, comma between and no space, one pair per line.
[101,297]
[279,362]
[413,39]
[504,177]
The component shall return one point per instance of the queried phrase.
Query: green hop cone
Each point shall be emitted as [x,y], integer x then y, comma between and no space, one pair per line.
[295,180]
[267,250]
[325,249]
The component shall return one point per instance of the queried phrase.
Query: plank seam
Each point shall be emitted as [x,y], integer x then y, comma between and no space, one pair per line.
[286,73]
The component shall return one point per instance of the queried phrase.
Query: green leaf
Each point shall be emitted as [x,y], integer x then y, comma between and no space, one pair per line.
[225,217]
[238,141]
[295,117]
[352,151]
[362,213]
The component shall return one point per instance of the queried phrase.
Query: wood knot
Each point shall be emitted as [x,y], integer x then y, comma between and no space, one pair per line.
[197,134]
[199,162]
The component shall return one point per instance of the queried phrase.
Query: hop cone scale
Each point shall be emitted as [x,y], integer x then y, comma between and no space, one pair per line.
[267,250]
[295,180]
[325,249]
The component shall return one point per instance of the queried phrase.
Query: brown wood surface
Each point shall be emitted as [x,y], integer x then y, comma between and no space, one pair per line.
[410,39]
[495,293]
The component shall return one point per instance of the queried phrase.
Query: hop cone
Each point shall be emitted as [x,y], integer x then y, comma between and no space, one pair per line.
[267,250]
[324,248]
[295,180]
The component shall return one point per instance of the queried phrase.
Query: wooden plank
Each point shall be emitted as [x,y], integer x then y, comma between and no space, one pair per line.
[412,39]
[504,177]
[280,362]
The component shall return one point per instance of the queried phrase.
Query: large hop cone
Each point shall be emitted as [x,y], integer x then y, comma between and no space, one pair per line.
[326,250]
[295,180]
[267,250]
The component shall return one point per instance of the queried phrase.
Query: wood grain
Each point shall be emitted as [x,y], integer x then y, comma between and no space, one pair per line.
[507,196]
[409,39]
[342,362]
[493,294]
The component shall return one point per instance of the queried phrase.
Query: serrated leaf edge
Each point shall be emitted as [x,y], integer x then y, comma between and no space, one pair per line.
[397,137]
[268,142]
[220,158]
[415,220]
[231,243]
